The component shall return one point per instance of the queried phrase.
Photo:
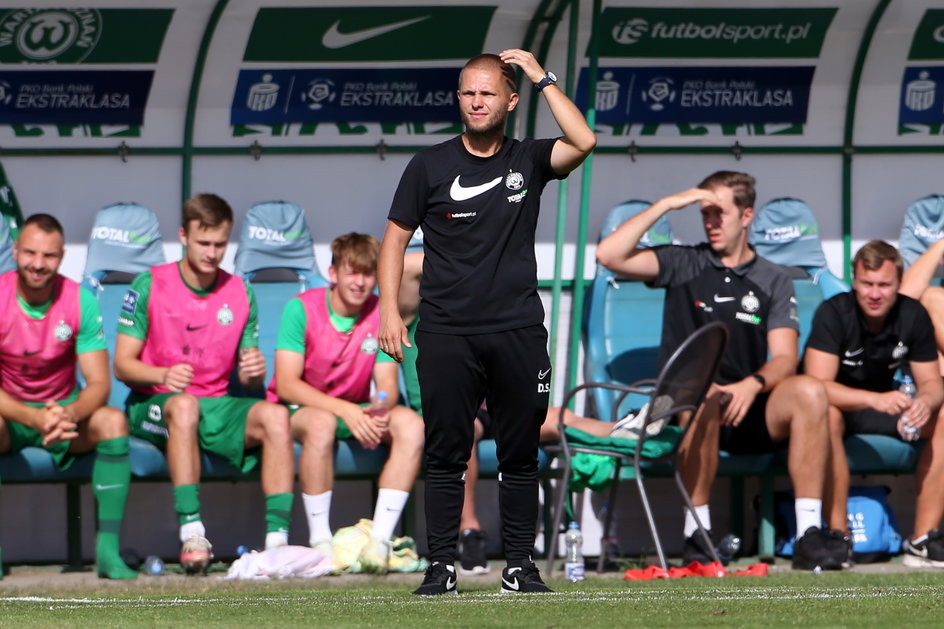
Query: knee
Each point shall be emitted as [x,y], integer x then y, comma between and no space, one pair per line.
[314,428]
[108,423]
[182,412]
[274,421]
[809,394]
[406,429]
[933,299]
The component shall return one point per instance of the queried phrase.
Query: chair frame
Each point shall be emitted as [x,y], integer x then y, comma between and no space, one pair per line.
[651,388]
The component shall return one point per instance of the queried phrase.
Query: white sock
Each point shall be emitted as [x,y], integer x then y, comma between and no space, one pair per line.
[190,529]
[390,503]
[274,539]
[704,514]
[318,510]
[809,512]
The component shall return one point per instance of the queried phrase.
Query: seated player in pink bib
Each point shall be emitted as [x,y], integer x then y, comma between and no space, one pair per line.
[183,328]
[49,324]
[325,359]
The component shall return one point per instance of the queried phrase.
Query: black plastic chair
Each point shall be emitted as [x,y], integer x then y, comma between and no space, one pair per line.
[680,387]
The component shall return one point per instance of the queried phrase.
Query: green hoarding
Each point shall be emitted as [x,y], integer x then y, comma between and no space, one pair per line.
[928,41]
[82,36]
[305,34]
[690,33]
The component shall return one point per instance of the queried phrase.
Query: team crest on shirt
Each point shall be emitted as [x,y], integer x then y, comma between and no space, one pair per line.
[514,181]
[750,302]
[224,315]
[369,345]
[900,351]
[63,331]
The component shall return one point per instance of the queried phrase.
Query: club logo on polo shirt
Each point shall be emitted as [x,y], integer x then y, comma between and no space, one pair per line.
[750,302]
[900,351]
[514,181]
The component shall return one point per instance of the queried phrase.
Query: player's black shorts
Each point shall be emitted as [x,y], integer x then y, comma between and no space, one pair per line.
[751,435]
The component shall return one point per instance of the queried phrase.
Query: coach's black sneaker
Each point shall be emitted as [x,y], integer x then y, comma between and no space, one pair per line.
[694,549]
[839,544]
[811,552]
[928,553]
[523,579]
[472,552]
[440,578]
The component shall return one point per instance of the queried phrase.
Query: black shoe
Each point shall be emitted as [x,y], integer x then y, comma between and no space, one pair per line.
[927,554]
[811,552]
[694,549]
[472,552]
[840,545]
[526,578]
[440,578]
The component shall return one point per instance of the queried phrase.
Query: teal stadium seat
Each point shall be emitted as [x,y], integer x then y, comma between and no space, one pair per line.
[923,225]
[276,255]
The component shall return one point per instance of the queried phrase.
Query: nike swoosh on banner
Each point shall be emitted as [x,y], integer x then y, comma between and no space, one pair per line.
[461,193]
[334,39]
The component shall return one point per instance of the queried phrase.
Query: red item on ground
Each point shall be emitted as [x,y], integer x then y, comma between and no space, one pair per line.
[695,569]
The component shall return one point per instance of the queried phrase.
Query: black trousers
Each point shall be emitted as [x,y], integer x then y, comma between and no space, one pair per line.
[511,372]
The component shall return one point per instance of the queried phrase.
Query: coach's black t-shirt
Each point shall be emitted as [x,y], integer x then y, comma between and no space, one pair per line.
[751,299]
[866,360]
[479,216]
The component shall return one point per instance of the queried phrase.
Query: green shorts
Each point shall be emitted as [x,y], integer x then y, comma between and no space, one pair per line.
[341,432]
[22,436]
[222,427]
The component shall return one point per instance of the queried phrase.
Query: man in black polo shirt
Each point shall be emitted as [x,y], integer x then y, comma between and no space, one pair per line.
[858,341]
[481,331]
[756,401]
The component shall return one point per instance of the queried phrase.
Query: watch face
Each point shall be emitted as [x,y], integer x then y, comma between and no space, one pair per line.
[552,77]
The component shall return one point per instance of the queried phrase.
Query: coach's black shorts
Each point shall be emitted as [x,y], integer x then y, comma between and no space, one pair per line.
[870,421]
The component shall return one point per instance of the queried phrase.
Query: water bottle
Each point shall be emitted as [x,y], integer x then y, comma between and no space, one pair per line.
[377,406]
[573,553]
[728,548]
[153,566]
[905,429]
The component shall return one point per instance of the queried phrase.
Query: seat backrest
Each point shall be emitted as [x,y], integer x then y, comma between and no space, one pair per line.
[6,248]
[276,254]
[623,321]
[689,371]
[125,240]
[923,225]
[275,236]
[785,232]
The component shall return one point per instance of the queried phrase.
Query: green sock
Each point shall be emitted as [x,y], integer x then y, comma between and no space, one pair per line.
[278,512]
[111,475]
[187,503]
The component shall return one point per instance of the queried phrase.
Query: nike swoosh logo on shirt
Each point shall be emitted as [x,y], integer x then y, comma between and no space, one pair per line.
[543,374]
[191,328]
[334,39]
[721,300]
[854,352]
[461,193]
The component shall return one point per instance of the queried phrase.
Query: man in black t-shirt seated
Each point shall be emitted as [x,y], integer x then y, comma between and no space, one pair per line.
[757,400]
[858,341]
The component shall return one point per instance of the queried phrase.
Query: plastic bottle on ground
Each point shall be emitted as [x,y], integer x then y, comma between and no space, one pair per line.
[573,553]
